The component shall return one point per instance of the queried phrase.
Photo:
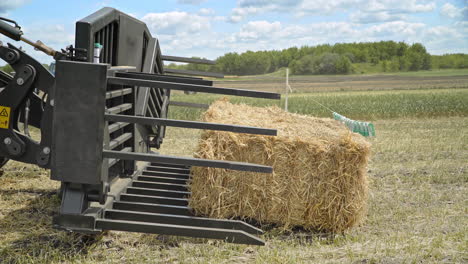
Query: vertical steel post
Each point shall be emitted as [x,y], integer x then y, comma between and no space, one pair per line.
[288,89]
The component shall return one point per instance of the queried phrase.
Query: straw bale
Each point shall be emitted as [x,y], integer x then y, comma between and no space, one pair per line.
[319,180]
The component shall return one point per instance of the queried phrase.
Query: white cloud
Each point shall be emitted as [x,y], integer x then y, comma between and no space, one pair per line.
[54,36]
[398,6]
[374,17]
[439,32]
[258,29]
[442,39]
[238,14]
[190,2]
[391,9]
[7,5]
[206,11]
[175,22]
[397,30]
[265,35]
[451,11]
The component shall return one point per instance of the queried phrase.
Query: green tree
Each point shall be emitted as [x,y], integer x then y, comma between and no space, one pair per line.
[327,59]
[7,68]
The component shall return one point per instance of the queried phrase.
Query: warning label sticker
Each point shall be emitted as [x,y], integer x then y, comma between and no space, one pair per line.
[4,117]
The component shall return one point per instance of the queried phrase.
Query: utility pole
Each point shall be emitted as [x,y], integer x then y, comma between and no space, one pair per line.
[288,89]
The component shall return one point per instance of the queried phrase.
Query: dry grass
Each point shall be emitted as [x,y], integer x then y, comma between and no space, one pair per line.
[417,211]
[319,180]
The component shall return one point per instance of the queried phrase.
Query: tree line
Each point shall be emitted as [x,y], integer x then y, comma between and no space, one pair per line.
[340,58]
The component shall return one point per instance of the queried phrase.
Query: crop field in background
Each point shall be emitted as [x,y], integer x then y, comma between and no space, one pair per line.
[366,105]
[417,206]
[327,83]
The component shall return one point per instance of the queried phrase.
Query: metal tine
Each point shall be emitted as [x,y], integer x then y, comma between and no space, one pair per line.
[117,93]
[188,60]
[194,73]
[116,126]
[119,140]
[233,236]
[166,174]
[157,192]
[161,179]
[112,162]
[152,208]
[171,170]
[153,199]
[144,82]
[167,165]
[231,165]
[189,124]
[181,220]
[160,185]
[164,78]
[119,108]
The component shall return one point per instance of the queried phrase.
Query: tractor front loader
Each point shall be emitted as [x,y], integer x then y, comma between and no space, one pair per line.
[99,121]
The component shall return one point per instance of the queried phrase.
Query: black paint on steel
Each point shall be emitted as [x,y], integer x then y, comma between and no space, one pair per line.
[120,34]
[166,174]
[160,185]
[117,93]
[164,78]
[153,208]
[231,165]
[112,162]
[126,42]
[181,220]
[194,73]
[116,126]
[171,170]
[79,109]
[167,165]
[233,236]
[190,124]
[119,140]
[187,60]
[158,192]
[153,199]
[108,38]
[119,108]
[160,179]
[192,87]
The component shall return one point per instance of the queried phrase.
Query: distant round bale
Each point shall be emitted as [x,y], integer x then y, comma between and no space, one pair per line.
[319,180]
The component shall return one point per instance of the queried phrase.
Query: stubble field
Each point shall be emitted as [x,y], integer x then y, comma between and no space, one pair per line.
[418,183]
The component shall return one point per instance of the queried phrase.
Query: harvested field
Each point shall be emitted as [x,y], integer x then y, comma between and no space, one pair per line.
[319,180]
[418,180]
[302,84]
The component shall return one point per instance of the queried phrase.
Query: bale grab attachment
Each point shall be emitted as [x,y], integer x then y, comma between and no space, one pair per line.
[98,123]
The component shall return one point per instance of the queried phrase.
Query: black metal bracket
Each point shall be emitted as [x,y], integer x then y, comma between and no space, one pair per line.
[30,75]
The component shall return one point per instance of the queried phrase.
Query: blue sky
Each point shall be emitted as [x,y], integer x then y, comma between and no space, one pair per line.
[210,28]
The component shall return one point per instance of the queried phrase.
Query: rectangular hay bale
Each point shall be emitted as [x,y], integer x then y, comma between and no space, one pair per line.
[319,180]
